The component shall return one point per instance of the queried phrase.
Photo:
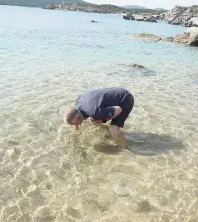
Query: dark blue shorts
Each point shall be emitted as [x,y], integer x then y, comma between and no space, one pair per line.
[127,106]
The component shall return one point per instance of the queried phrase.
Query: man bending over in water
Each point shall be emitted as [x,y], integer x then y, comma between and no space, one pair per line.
[101,105]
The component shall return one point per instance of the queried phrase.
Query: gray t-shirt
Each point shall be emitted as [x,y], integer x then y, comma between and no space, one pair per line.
[98,104]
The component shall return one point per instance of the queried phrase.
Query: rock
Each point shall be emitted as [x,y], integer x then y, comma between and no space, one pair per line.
[146,36]
[150,19]
[94,21]
[144,206]
[138,66]
[191,30]
[179,15]
[128,16]
[167,39]
[193,39]
[159,17]
[50,6]
[181,38]
[141,70]
[193,22]
[139,18]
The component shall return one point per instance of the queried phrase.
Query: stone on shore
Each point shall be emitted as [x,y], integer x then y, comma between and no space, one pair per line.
[139,18]
[179,15]
[150,19]
[167,39]
[191,30]
[146,36]
[128,16]
[193,39]
[193,22]
[181,38]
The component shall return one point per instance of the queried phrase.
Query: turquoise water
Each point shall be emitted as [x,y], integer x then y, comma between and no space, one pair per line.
[47,172]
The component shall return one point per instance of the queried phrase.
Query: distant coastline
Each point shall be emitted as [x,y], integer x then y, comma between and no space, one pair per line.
[104,8]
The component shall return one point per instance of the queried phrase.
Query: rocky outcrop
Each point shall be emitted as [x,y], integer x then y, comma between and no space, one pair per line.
[193,39]
[159,17]
[193,22]
[145,36]
[128,16]
[191,30]
[182,15]
[150,19]
[139,18]
[167,39]
[83,6]
[142,18]
[181,38]
[193,36]
[51,6]
[190,37]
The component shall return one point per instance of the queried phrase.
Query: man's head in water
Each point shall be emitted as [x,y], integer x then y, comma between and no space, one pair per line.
[73,117]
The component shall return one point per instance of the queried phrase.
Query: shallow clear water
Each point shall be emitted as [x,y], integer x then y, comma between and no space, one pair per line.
[50,173]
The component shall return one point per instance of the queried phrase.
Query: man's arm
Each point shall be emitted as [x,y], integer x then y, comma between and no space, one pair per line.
[117,135]
[107,113]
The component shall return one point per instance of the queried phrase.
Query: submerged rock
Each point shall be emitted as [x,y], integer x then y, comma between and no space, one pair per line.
[141,70]
[94,21]
[138,66]
[146,36]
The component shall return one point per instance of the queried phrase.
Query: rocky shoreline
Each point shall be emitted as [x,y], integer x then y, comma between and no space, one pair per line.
[190,37]
[187,16]
[104,8]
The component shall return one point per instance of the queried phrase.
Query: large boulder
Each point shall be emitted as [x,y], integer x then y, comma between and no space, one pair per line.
[158,17]
[139,18]
[193,22]
[181,38]
[179,15]
[146,36]
[191,30]
[128,16]
[150,19]
[193,39]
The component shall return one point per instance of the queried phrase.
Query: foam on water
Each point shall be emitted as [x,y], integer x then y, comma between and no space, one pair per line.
[50,173]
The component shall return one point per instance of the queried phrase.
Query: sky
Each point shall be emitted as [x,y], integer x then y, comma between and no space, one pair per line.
[167,4]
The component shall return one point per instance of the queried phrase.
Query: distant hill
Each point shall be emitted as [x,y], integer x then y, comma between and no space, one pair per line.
[160,9]
[134,7]
[37,3]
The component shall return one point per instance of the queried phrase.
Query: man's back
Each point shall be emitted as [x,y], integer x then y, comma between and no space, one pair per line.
[103,97]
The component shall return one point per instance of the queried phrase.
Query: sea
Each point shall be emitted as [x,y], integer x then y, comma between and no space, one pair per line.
[51,173]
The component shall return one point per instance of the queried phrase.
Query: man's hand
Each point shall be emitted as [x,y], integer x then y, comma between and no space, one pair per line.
[117,135]
[97,122]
